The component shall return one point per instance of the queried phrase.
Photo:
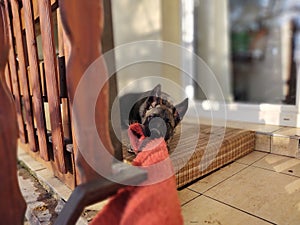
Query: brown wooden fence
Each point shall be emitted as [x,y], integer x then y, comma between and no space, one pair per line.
[36,76]
[33,71]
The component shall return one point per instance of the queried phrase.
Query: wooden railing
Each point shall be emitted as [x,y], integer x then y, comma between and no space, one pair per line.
[32,96]
[43,86]
[36,82]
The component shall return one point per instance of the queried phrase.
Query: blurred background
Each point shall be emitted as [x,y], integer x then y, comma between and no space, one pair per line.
[251,46]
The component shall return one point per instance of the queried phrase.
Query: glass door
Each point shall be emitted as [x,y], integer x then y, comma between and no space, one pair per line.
[252,48]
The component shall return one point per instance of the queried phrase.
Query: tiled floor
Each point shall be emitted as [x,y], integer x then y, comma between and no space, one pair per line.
[260,188]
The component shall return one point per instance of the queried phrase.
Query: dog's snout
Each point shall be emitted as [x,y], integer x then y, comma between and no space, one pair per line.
[157,127]
[155,133]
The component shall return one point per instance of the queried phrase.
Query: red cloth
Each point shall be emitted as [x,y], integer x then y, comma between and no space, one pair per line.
[155,203]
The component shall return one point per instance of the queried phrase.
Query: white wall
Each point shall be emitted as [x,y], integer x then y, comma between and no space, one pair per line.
[136,20]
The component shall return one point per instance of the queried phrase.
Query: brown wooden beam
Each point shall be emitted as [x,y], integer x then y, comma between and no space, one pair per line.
[14,77]
[85,32]
[108,45]
[35,10]
[38,108]
[52,84]
[23,74]
[12,204]
[64,101]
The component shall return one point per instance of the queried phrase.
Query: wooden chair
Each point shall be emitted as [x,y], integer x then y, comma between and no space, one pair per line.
[83,22]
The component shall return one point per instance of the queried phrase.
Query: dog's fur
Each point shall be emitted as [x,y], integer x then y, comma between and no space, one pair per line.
[154,111]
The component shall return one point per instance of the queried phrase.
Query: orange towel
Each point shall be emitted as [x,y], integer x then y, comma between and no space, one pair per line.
[155,202]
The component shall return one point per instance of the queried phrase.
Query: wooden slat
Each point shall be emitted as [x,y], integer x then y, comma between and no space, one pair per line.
[23,75]
[107,45]
[64,101]
[67,52]
[7,77]
[85,32]
[15,79]
[38,108]
[66,41]
[36,10]
[36,7]
[12,204]
[51,82]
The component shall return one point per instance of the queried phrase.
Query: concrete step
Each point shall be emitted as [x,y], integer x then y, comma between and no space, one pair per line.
[284,141]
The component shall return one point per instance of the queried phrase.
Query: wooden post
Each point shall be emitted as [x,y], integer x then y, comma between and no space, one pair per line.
[84,33]
[64,100]
[38,107]
[108,44]
[23,74]
[15,79]
[12,204]
[52,84]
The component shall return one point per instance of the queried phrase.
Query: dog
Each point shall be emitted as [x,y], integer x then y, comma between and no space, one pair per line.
[154,111]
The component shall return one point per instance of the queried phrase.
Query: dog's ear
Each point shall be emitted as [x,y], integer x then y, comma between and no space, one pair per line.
[153,95]
[156,92]
[180,110]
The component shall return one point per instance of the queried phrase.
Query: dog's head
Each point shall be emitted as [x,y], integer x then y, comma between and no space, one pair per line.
[159,116]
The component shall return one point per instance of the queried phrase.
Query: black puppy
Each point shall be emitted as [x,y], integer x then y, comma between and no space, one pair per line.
[154,110]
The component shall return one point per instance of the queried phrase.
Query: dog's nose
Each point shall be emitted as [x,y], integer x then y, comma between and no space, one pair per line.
[157,127]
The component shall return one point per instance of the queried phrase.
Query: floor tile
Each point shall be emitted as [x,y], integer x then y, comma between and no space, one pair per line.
[186,195]
[266,194]
[220,175]
[251,157]
[203,211]
[281,164]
